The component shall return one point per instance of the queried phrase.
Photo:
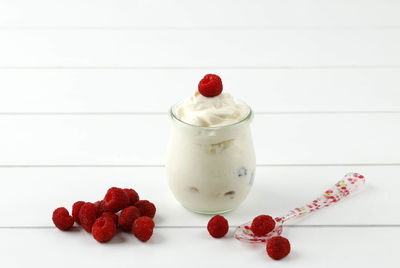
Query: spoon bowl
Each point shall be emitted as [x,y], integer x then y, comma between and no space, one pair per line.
[243,232]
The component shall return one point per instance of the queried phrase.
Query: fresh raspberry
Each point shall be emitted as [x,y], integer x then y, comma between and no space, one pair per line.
[115,200]
[217,226]
[112,215]
[262,225]
[278,247]
[62,220]
[75,210]
[210,85]
[127,217]
[132,195]
[142,228]
[104,229]
[146,208]
[88,215]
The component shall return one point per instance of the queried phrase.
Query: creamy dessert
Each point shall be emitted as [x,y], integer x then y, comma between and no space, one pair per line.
[211,112]
[210,158]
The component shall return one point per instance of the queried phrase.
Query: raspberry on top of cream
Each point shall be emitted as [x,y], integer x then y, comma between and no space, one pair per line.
[216,111]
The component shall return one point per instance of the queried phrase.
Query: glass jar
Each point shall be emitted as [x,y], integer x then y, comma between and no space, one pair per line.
[210,169]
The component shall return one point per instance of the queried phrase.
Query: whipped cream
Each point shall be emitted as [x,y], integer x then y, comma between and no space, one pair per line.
[211,112]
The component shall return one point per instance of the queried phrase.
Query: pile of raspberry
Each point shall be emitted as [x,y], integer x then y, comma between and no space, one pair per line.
[277,247]
[120,208]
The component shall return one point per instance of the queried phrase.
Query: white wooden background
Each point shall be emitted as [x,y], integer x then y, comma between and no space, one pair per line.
[84,89]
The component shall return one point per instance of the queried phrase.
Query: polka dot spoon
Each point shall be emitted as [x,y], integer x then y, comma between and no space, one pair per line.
[350,183]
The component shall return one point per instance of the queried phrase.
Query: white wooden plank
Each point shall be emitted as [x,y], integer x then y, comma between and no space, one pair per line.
[142,139]
[311,247]
[202,48]
[176,13]
[276,190]
[119,91]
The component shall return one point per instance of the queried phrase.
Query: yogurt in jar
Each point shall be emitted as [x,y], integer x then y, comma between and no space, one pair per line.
[210,158]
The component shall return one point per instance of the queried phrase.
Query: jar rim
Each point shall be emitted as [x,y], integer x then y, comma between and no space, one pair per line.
[247,118]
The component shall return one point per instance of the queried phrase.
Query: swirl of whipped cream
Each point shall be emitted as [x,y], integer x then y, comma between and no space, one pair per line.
[211,112]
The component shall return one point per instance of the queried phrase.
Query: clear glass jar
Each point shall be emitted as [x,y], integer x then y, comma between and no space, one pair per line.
[210,169]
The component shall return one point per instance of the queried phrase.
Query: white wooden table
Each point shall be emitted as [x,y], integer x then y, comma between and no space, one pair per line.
[84,90]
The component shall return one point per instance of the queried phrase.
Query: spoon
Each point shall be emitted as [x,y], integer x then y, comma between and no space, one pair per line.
[343,188]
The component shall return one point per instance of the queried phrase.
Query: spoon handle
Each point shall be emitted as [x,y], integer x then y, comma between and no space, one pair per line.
[343,188]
